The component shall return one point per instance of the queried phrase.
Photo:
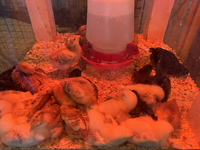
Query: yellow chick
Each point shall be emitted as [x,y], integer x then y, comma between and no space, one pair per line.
[112,107]
[104,130]
[119,108]
[47,122]
[5,107]
[147,132]
[64,58]
[6,123]
[19,135]
[148,93]
[129,98]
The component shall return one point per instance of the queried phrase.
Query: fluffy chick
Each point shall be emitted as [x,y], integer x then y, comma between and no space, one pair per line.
[112,107]
[147,132]
[62,97]
[142,108]
[82,32]
[19,135]
[5,107]
[64,58]
[169,111]
[147,96]
[119,109]
[47,122]
[167,63]
[148,93]
[104,130]
[81,90]
[75,120]
[6,123]
[40,101]
[130,98]
[25,68]
[164,82]
[142,75]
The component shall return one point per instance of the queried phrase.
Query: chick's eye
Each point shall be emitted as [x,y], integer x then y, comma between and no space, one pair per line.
[74,39]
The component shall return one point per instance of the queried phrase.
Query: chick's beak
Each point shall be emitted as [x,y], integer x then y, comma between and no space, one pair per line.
[78,38]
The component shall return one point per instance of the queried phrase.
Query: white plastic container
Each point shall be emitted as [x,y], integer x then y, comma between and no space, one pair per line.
[110,25]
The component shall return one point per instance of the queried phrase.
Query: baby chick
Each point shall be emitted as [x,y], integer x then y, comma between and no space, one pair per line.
[47,122]
[167,63]
[164,82]
[112,107]
[40,101]
[104,130]
[147,132]
[62,97]
[20,78]
[169,111]
[19,135]
[130,98]
[64,58]
[5,107]
[118,108]
[82,32]
[25,68]
[147,96]
[142,75]
[142,108]
[76,121]
[6,123]
[148,93]
[81,90]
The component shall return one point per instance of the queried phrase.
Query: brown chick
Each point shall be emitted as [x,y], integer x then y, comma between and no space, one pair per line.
[81,90]
[169,111]
[25,68]
[64,58]
[40,101]
[75,120]
[82,32]
[47,122]
[62,97]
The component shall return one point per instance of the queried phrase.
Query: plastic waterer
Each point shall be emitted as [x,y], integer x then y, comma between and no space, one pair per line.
[110,28]
[110,25]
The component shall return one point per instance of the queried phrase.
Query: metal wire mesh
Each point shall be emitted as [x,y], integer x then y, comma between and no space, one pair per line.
[69,14]
[16,34]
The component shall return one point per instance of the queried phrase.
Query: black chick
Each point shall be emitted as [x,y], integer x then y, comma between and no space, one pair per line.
[165,83]
[167,63]
[143,75]
[142,109]
[20,83]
